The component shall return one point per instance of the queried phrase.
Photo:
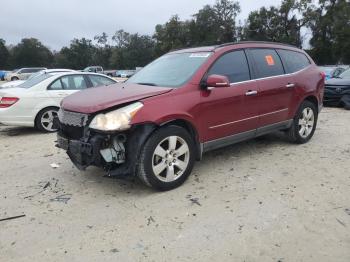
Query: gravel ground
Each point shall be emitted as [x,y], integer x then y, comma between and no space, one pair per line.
[262,200]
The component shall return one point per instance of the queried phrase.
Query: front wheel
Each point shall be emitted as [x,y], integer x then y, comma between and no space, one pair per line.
[45,120]
[304,123]
[167,158]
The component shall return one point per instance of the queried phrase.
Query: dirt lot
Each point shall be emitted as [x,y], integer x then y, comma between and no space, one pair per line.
[262,200]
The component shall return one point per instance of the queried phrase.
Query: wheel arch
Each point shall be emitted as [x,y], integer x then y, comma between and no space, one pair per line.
[313,99]
[190,128]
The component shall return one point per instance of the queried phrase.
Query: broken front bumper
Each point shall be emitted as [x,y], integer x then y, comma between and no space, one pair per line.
[82,154]
[88,150]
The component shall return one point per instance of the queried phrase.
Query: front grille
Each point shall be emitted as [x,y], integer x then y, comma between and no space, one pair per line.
[72,124]
[72,132]
[337,88]
[72,118]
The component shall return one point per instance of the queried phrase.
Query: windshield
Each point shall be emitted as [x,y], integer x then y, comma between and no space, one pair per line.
[34,81]
[171,70]
[345,74]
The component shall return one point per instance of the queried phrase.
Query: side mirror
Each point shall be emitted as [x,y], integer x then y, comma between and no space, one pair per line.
[217,81]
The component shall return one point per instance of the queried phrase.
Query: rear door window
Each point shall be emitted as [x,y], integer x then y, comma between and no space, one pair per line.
[233,65]
[293,61]
[267,62]
[73,82]
[57,85]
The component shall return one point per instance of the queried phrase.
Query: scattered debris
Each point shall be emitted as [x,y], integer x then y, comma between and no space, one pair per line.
[47,185]
[44,185]
[340,222]
[195,201]
[10,218]
[347,211]
[150,220]
[62,198]
[54,165]
[114,250]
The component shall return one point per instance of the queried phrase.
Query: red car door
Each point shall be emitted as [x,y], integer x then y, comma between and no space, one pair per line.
[233,110]
[276,89]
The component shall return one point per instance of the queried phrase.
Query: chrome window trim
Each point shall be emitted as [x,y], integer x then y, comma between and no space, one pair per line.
[270,77]
[249,118]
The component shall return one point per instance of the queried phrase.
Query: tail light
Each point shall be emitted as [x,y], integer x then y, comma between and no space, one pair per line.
[8,101]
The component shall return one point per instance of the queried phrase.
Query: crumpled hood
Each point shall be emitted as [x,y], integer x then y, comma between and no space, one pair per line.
[93,100]
[338,82]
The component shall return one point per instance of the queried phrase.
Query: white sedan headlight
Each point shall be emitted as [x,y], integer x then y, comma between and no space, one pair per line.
[116,120]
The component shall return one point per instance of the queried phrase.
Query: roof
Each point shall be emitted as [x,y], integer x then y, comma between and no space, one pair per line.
[216,47]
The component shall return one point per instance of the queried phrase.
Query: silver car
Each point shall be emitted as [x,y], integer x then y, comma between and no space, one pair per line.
[23,73]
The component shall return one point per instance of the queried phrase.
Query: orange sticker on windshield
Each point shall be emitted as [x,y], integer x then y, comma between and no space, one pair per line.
[269,60]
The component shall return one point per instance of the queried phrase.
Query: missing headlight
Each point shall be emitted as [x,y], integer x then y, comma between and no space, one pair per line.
[116,152]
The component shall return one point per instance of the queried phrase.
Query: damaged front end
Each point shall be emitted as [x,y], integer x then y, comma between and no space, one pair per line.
[114,151]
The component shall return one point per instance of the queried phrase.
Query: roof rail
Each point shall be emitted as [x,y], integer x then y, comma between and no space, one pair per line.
[253,42]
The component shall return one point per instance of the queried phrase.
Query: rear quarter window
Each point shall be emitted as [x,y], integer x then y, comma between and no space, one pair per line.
[267,62]
[293,61]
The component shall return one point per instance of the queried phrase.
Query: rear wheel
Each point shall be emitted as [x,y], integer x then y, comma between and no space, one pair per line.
[45,120]
[304,123]
[167,158]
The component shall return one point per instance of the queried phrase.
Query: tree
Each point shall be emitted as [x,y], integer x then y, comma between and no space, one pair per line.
[101,39]
[226,13]
[132,50]
[31,52]
[121,38]
[211,25]
[173,34]
[78,55]
[278,24]
[4,54]
[330,26]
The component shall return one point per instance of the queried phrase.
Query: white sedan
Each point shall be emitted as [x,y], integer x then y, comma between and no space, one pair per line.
[35,103]
[18,82]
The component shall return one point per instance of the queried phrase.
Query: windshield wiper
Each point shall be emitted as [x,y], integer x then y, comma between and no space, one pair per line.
[147,84]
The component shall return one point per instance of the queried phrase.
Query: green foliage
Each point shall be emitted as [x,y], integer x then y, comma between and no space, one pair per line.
[211,25]
[4,54]
[78,55]
[132,51]
[278,24]
[330,26]
[31,52]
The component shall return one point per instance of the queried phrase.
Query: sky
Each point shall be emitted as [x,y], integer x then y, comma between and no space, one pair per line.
[57,22]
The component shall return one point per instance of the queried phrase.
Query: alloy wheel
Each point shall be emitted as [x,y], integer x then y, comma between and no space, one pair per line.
[306,122]
[47,120]
[170,159]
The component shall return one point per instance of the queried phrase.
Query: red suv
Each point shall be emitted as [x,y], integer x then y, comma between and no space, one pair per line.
[187,102]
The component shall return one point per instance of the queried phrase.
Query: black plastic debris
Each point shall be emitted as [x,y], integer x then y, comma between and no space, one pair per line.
[10,218]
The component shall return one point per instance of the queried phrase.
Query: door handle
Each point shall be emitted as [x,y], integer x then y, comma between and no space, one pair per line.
[290,85]
[251,93]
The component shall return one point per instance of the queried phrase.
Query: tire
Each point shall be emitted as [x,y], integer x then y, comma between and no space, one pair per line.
[14,78]
[304,123]
[45,118]
[159,165]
